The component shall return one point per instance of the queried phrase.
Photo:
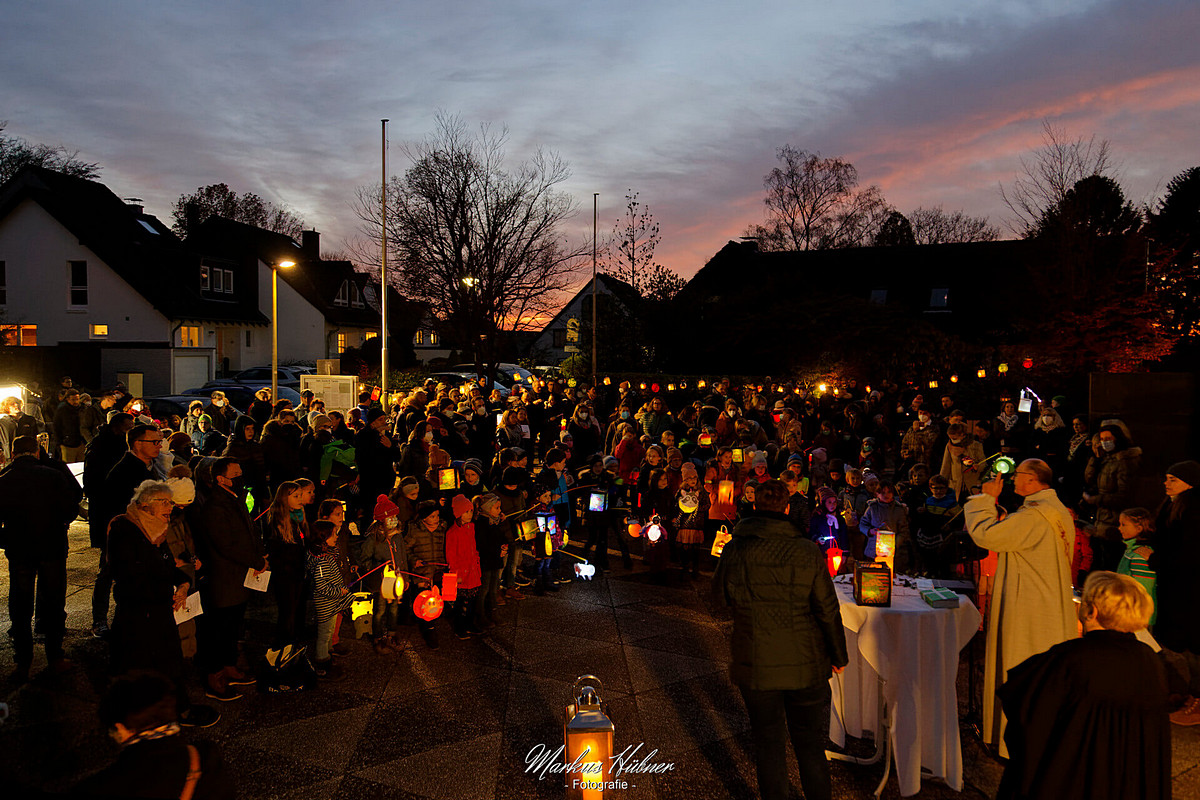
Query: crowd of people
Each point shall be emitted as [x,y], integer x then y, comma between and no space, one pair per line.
[508,494]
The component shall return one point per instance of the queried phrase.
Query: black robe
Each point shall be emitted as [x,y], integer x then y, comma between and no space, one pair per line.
[1088,718]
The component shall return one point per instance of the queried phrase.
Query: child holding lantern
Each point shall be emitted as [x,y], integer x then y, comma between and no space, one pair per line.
[464,562]
[381,545]
[692,503]
[330,595]
[492,547]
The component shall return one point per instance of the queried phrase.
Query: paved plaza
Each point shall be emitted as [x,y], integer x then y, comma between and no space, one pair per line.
[458,723]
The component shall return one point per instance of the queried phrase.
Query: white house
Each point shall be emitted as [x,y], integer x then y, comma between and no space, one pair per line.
[95,287]
[560,338]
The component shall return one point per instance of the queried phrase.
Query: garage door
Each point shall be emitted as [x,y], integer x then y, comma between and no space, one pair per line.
[190,371]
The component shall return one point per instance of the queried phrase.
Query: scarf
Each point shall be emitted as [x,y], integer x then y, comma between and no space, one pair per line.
[1077,441]
[152,527]
[1007,420]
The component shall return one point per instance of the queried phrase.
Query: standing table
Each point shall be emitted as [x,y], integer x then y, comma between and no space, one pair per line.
[909,652]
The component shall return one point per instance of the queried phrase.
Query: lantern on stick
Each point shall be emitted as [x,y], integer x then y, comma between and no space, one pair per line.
[361,606]
[392,585]
[725,492]
[449,587]
[634,526]
[587,740]
[654,531]
[428,605]
[833,558]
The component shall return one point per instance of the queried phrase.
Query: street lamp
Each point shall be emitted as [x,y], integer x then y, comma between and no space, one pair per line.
[275,326]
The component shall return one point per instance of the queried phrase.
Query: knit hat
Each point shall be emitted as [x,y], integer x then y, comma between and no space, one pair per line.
[206,418]
[385,508]
[795,458]
[460,505]
[435,422]
[688,468]
[514,476]
[475,465]
[318,420]
[1186,471]
[183,491]
[759,457]
[611,461]
[426,509]
[374,414]
[819,455]
[409,480]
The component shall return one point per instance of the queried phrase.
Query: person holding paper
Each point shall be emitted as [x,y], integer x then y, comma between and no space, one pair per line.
[230,547]
[148,588]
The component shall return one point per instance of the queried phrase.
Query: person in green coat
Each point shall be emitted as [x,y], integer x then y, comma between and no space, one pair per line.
[787,641]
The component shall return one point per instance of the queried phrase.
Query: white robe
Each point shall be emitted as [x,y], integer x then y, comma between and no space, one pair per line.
[1032,607]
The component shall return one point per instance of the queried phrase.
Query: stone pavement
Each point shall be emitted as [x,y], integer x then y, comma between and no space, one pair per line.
[457,723]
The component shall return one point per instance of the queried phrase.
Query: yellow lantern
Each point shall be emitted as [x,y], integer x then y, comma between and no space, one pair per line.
[821,388]
[981,373]
[933,384]
[361,606]
[701,384]
[587,741]
[954,379]
[392,586]
[607,381]
[885,547]
[670,387]
[725,492]
[722,538]
[1002,368]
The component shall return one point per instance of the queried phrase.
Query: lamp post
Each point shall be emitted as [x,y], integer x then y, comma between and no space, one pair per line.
[275,326]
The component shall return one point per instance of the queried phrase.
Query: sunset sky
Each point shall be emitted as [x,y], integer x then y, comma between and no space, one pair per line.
[686,103]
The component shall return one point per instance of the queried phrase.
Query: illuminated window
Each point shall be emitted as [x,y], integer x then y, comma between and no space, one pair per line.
[370,335]
[19,335]
[79,284]
[99,331]
[189,336]
[419,337]
[204,281]
[341,343]
[433,338]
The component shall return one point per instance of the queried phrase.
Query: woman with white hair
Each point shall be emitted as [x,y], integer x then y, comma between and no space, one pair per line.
[148,587]
[1088,717]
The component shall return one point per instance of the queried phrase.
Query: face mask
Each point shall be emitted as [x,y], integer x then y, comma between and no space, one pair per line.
[1047,420]
[1108,444]
[624,415]
[218,403]
[956,442]
[390,522]
[429,436]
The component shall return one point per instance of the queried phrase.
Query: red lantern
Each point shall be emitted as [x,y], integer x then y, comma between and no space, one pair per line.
[833,560]
[1027,363]
[449,586]
[428,605]
[654,387]
[635,529]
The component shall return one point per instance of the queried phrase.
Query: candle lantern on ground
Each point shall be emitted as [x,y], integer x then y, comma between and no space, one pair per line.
[588,740]
[361,607]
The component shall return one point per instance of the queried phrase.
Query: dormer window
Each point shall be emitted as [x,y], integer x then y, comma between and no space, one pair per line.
[355,297]
[342,298]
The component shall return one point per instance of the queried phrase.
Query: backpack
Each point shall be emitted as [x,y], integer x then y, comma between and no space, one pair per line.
[288,670]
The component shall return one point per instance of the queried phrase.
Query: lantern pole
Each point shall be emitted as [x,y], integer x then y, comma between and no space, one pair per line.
[383,280]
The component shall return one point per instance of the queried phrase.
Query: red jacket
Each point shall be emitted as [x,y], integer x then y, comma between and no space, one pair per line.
[462,556]
[629,454]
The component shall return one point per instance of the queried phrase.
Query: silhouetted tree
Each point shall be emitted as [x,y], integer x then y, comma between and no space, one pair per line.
[629,253]
[935,226]
[218,200]
[481,243]
[896,231]
[1174,230]
[814,203]
[1047,175]
[16,153]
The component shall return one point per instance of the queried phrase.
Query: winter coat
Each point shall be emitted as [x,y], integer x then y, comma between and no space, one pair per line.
[787,624]
[427,546]
[893,517]
[375,548]
[249,455]
[281,453]
[67,425]
[961,478]
[1176,544]
[489,538]
[1114,478]
[117,490]
[1032,607]
[462,556]
[37,504]
[329,590]
[228,544]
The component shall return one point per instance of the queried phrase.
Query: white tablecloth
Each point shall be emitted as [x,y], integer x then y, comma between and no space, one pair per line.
[914,649]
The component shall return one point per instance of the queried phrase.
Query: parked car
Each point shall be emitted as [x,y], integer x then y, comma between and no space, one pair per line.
[163,407]
[241,395]
[510,375]
[458,378]
[258,377]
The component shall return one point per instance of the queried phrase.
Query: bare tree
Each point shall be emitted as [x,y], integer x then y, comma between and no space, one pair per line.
[218,200]
[629,253]
[1047,175]
[814,203]
[478,242]
[16,152]
[935,226]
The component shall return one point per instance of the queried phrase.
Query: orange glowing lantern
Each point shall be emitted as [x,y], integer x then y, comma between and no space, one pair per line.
[885,547]
[428,605]
[725,492]
[683,384]
[607,381]
[954,379]
[587,740]
[635,526]
[933,384]
[1003,368]
[833,560]
[701,384]
[449,586]
[670,387]
[981,373]
[642,386]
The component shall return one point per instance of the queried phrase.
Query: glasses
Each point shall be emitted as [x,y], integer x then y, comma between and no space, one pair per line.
[155,442]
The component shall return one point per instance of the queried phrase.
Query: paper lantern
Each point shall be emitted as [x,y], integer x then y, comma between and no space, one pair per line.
[1003,368]
[872,584]
[428,605]
[1004,466]
[585,571]
[835,391]
[654,531]
[449,586]
[833,560]
[361,606]
[933,384]
[689,502]
[954,379]
[885,547]
[654,387]
[597,501]
[725,492]
[981,373]
[705,440]
[634,526]
[587,741]
[447,479]
[821,387]
[572,383]
[759,388]
[642,386]
[683,384]
[670,387]
[392,585]
[607,381]
[722,538]
[701,384]
[1027,363]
